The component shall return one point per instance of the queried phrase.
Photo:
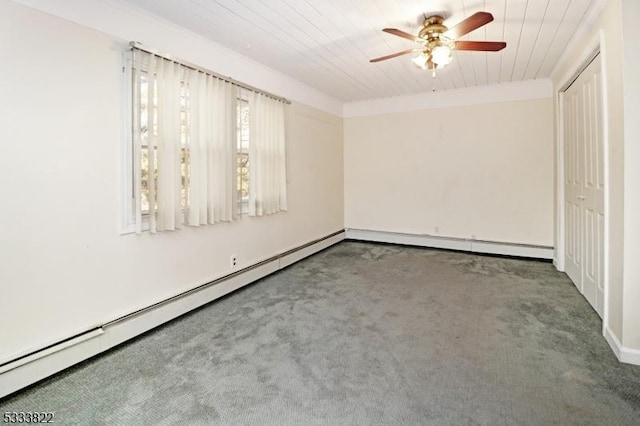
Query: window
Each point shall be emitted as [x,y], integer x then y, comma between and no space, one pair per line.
[242,116]
[148,117]
[148,114]
[202,150]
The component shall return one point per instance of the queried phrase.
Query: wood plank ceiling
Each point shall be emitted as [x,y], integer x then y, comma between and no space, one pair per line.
[327,44]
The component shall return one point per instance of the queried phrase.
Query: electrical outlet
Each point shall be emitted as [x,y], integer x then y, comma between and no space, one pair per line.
[234,261]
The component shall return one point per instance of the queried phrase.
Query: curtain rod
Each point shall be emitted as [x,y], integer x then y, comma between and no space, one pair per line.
[139,46]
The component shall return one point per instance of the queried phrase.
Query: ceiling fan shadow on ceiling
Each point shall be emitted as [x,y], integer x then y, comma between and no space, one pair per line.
[437,41]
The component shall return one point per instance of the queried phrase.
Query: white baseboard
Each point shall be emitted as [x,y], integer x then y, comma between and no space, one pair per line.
[27,370]
[624,354]
[476,246]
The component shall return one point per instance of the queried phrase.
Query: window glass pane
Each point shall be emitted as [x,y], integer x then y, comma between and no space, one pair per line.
[144,140]
[148,110]
[242,118]
[184,141]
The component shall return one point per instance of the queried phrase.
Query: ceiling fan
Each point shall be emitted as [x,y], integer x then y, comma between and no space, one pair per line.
[438,41]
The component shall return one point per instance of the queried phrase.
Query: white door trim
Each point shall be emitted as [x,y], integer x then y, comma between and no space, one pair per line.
[596,45]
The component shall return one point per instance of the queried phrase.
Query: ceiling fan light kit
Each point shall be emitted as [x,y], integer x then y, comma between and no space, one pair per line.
[441,55]
[420,60]
[438,41]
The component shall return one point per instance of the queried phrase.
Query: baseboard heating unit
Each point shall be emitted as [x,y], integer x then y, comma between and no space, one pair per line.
[33,366]
[460,244]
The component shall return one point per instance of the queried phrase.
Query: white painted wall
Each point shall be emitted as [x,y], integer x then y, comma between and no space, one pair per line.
[482,171]
[631,85]
[63,265]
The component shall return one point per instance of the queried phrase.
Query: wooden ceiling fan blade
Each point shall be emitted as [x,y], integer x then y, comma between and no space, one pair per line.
[473,22]
[394,55]
[482,46]
[400,33]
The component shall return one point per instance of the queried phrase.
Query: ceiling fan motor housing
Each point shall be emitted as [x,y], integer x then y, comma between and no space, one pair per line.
[433,28]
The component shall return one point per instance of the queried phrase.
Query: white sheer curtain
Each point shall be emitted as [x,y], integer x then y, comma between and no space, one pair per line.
[157,141]
[224,167]
[168,82]
[185,137]
[212,150]
[267,155]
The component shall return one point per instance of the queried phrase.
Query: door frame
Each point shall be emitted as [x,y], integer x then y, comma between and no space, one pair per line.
[594,47]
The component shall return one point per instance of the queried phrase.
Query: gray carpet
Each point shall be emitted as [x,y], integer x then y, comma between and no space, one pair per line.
[364,334]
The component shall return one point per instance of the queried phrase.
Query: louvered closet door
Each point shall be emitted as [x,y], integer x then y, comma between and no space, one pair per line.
[584,184]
